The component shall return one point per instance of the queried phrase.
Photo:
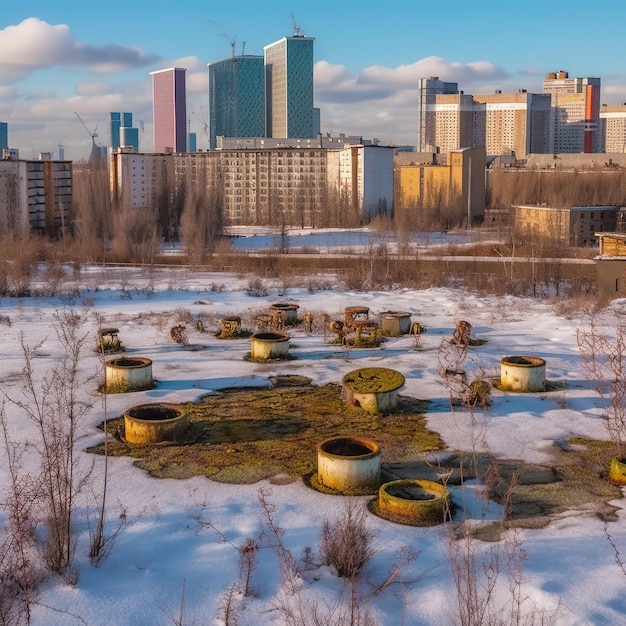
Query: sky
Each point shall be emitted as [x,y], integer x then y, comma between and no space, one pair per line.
[165,555]
[66,57]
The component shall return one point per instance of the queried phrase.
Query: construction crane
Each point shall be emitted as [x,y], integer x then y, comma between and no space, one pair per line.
[203,121]
[297,31]
[95,155]
[231,40]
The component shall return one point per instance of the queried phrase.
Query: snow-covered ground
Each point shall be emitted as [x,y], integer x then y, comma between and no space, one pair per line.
[165,557]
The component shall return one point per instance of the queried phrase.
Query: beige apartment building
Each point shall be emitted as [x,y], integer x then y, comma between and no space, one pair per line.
[502,123]
[575,112]
[573,226]
[512,122]
[613,128]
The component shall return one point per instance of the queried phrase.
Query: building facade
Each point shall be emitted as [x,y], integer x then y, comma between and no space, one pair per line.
[613,129]
[35,196]
[504,123]
[512,122]
[303,187]
[428,89]
[4,136]
[289,88]
[573,226]
[575,112]
[421,183]
[121,132]
[236,98]
[169,101]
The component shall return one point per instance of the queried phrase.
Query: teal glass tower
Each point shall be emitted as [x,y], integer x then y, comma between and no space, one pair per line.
[289,88]
[236,98]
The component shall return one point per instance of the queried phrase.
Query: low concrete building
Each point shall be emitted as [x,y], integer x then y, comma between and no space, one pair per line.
[611,264]
[573,226]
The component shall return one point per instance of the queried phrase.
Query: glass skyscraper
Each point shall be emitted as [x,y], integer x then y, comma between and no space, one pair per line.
[121,132]
[4,135]
[236,98]
[289,88]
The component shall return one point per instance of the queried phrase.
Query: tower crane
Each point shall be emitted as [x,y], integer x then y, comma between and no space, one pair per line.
[94,157]
[297,31]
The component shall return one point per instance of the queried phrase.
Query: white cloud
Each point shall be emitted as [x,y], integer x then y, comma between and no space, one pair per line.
[34,45]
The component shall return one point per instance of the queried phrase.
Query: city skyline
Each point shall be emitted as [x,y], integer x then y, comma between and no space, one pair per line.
[57,60]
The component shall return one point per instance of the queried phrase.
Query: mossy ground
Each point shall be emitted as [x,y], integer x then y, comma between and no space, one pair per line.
[374,380]
[245,435]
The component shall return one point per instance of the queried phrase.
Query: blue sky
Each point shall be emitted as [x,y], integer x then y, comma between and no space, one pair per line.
[60,57]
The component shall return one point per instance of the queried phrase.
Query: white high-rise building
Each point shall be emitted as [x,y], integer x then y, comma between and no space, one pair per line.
[575,112]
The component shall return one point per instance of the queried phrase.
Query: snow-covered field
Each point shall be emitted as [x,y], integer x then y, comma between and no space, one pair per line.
[165,558]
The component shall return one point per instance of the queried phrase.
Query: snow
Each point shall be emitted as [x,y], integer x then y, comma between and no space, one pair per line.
[166,555]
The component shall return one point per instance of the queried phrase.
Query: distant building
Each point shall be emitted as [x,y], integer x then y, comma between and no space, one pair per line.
[504,123]
[613,128]
[611,263]
[573,226]
[516,123]
[192,142]
[236,98]
[289,88]
[267,186]
[169,103]
[4,136]
[35,195]
[422,182]
[428,89]
[121,132]
[575,112]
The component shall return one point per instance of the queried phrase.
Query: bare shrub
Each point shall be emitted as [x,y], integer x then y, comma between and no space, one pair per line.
[490,583]
[179,334]
[346,543]
[21,569]
[55,409]
[256,288]
[603,353]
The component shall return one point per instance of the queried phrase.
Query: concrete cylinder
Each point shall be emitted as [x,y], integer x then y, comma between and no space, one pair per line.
[289,311]
[374,389]
[152,423]
[413,502]
[270,345]
[395,323]
[349,464]
[124,374]
[522,373]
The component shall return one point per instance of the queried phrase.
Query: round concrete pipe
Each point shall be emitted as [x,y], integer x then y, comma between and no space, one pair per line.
[395,323]
[289,311]
[413,502]
[522,373]
[270,345]
[152,423]
[124,374]
[349,465]
[374,389]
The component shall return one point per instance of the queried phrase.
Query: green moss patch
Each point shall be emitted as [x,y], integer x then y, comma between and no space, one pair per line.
[245,435]
[373,380]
